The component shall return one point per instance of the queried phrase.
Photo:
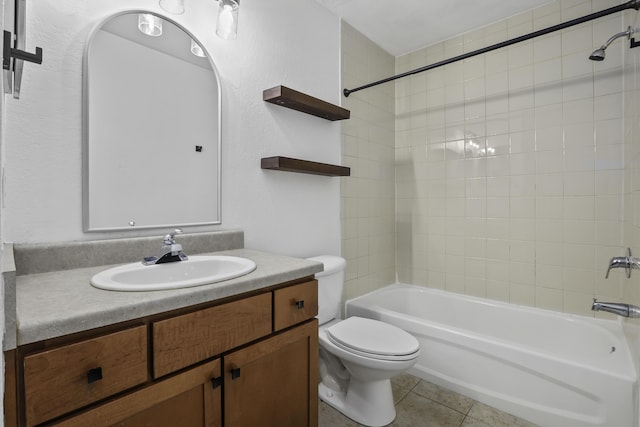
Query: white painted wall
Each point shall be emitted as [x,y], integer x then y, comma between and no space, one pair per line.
[291,42]
[2,162]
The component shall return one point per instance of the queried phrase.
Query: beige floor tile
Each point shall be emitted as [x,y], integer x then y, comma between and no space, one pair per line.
[399,392]
[421,403]
[441,395]
[470,422]
[405,381]
[329,417]
[496,418]
[418,411]
[401,385]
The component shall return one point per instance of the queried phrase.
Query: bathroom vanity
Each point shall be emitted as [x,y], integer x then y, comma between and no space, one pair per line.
[243,352]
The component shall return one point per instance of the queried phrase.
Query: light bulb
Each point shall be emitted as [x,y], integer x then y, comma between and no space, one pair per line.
[197,50]
[173,6]
[149,24]
[227,24]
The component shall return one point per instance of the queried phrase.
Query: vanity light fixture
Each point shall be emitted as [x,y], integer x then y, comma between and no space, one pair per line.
[173,6]
[149,24]
[227,23]
[197,50]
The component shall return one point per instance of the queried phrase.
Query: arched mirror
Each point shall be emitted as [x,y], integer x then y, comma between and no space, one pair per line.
[151,127]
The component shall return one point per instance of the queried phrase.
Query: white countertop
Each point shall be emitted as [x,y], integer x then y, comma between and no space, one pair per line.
[58,303]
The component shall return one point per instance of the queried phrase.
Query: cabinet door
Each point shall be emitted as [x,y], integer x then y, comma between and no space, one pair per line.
[274,382]
[189,399]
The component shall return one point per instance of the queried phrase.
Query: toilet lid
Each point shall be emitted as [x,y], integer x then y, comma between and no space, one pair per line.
[372,337]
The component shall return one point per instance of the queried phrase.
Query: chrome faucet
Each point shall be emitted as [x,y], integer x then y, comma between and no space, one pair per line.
[174,253]
[627,262]
[624,310]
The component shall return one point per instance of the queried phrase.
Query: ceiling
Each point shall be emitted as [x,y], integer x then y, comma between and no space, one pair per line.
[401,27]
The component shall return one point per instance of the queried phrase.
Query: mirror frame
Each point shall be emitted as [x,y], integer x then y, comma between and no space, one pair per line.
[86,197]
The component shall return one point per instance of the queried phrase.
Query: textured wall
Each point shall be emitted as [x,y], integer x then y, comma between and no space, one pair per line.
[2,222]
[277,44]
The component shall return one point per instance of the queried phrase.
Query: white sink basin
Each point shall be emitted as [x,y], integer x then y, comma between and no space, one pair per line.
[196,271]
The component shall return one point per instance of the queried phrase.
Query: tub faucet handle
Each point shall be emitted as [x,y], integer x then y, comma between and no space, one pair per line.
[617,262]
[627,262]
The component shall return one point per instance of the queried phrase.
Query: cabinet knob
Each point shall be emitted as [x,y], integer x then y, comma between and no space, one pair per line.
[216,382]
[235,373]
[300,304]
[94,375]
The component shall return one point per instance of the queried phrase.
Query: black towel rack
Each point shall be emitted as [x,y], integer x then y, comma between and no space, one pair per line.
[10,52]
[14,55]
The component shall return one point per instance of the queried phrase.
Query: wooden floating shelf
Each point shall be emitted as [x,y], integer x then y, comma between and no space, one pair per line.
[289,98]
[303,166]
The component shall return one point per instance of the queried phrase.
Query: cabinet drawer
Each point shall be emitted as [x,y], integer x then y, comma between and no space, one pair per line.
[184,340]
[295,304]
[186,400]
[66,378]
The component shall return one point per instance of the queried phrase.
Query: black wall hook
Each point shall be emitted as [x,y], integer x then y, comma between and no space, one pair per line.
[9,52]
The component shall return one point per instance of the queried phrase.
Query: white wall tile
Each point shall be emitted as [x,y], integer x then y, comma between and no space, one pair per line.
[549,138]
[529,220]
[522,207]
[608,107]
[546,48]
[576,65]
[576,39]
[579,135]
[523,185]
[579,183]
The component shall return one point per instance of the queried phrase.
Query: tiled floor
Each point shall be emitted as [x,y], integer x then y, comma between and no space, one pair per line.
[420,403]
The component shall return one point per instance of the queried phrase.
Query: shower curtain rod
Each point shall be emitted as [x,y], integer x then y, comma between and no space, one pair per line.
[632,4]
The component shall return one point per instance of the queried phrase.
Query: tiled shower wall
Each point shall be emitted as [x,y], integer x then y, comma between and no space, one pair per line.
[510,164]
[368,141]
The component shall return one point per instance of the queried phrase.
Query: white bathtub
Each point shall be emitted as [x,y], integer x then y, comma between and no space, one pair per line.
[550,368]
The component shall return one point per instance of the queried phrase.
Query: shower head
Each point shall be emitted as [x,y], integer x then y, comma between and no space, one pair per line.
[599,54]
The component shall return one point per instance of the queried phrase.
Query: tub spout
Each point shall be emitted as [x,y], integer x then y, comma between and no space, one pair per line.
[625,310]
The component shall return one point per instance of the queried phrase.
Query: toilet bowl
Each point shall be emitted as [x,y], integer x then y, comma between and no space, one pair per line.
[358,356]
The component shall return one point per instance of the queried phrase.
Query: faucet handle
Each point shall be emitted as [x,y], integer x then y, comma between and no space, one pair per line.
[170,239]
[617,262]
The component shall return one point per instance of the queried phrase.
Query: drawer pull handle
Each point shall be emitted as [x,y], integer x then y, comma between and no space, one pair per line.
[94,375]
[216,382]
[235,373]
[300,304]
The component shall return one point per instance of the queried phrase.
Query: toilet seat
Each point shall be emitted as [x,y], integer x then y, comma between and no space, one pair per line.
[374,339]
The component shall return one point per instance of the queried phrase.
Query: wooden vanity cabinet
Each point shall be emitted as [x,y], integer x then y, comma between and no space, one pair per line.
[245,362]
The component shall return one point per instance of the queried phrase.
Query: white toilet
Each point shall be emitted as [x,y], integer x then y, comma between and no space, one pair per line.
[358,356]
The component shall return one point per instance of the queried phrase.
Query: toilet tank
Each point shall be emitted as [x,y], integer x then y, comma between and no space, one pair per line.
[330,285]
